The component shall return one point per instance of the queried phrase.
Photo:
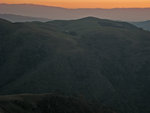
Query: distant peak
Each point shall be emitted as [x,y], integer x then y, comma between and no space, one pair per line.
[90,18]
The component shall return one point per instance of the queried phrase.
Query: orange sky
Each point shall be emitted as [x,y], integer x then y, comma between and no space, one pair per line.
[85,3]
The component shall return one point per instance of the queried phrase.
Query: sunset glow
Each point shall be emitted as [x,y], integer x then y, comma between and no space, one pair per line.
[85,3]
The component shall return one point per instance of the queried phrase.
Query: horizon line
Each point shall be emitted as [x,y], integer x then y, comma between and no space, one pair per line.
[75,8]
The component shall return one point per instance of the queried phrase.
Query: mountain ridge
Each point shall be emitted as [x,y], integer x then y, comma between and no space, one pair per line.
[143,24]
[70,8]
[20,18]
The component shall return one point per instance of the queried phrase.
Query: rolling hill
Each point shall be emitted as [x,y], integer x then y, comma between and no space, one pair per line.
[105,61]
[19,18]
[58,13]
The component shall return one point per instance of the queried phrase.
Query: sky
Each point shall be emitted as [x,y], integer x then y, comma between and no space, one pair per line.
[85,3]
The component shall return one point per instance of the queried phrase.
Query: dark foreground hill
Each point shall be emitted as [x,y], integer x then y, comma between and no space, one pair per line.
[47,103]
[105,61]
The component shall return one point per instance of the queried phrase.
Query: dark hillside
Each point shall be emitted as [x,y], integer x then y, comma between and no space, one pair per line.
[45,103]
[106,61]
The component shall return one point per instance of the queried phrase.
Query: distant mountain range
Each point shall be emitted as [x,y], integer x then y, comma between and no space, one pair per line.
[127,14]
[102,60]
[145,25]
[19,18]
